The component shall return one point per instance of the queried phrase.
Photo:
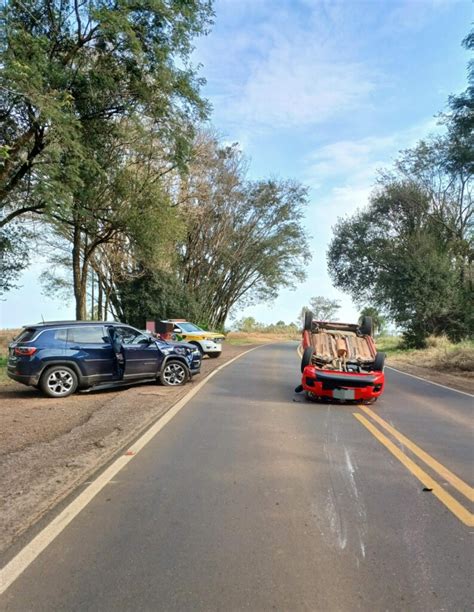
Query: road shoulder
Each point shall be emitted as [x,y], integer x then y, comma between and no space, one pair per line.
[461,382]
[50,447]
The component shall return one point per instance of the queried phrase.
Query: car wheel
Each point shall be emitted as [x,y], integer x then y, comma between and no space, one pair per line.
[214,354]
[307,357]
[308,320]
[310,396]
[366,326]
[379,362]
[58,381]
[174,374]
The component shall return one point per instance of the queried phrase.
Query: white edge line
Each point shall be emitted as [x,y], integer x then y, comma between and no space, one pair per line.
[12,570]
[430,381]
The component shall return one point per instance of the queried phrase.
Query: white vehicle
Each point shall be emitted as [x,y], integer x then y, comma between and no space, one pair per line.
[209,343]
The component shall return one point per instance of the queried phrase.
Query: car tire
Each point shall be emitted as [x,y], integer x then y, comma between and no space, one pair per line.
[174,374]
[58,381]
[379,362]
[307,357]
[214,354]
[308,320]
[366,326]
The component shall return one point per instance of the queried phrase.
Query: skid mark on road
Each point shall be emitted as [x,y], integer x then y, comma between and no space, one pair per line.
[334,513]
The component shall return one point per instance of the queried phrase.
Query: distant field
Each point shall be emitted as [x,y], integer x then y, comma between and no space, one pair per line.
[239,338]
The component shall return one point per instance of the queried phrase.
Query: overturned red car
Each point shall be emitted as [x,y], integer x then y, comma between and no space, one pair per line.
[340,361]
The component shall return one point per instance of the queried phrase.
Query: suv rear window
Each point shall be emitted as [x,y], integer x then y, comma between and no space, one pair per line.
[81,335]
[26,335]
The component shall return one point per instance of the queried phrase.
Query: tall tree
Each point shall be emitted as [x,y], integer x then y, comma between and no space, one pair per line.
[73,73]
[245,240]
[410,252]
[323,308]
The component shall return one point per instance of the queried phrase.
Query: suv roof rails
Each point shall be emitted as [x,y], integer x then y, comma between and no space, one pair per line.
[44,323]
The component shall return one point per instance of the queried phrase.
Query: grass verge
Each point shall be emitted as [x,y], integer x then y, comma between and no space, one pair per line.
[243,338]
[3,371]
[440,354]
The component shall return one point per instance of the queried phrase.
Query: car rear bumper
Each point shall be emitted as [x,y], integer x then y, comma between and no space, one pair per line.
[343,385]
[23,378]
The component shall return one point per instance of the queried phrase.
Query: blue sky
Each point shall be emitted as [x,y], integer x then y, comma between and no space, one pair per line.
[323,92]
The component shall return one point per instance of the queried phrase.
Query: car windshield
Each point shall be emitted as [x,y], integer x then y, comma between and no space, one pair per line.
[189,327]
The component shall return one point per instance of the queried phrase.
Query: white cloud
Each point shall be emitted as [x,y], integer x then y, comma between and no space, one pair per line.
[411,16]
[283,68]
[300,83]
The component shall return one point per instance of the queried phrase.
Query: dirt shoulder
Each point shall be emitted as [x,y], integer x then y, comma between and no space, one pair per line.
[48,447]
[463,381]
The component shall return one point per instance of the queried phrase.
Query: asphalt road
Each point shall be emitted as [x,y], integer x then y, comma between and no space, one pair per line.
[252,498]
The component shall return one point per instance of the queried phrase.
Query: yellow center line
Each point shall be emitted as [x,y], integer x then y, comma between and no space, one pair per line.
[299,350]
[444,497]
[440,469]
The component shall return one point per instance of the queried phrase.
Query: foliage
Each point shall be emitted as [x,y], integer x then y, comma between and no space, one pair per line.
[395,255]
[154,296]
[88,90]
[250,325]
[14,255]
[69,66]
[323,309]
[245,239]
[410,252]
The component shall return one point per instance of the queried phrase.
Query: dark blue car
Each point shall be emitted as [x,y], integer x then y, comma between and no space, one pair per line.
[60,357]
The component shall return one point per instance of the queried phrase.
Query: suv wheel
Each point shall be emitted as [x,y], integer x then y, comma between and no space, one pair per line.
[58,381]
[174,374]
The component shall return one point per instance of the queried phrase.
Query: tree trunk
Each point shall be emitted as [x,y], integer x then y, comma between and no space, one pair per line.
[100,297]
[76,272]
[79,272]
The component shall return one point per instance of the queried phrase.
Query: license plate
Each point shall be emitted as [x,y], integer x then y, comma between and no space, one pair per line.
[343,394]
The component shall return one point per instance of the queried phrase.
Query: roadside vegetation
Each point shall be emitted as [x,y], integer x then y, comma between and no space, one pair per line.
[249,331]
[6,336]
[109,168]
[440,354]
[409,253]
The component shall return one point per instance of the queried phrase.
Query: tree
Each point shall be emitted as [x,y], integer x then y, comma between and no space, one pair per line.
[248,325]
[323,309]
[66,64]
[410,252]
[13,255]
[245,240]
[81,80]
[395,255]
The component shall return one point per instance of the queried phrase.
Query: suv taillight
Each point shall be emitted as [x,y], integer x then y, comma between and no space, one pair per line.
[25,351]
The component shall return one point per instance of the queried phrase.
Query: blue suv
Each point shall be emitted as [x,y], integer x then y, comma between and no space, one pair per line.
[60,357]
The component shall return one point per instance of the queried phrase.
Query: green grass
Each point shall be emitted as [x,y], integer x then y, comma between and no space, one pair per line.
[391,345]
[3,371]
